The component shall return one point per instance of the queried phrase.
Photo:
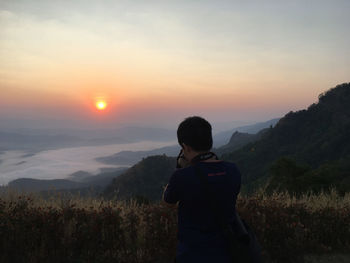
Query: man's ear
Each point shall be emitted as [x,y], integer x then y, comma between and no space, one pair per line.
[186,147]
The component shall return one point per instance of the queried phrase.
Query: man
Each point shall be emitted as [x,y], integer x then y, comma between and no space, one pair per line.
[200,237]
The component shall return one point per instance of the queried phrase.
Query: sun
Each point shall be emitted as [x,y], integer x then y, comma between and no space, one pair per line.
[101,105]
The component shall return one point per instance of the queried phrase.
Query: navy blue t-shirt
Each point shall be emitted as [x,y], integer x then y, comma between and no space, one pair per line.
[199,235]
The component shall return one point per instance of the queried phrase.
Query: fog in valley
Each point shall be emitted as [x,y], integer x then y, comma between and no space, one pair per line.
[60,163]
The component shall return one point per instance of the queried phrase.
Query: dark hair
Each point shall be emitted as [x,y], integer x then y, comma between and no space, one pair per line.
[195,132]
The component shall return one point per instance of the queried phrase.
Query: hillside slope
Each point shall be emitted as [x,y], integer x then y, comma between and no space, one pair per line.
[237,141]
[222,138]
[310,137]
[144,179]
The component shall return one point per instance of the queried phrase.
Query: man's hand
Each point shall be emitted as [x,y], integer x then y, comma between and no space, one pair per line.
[182,162]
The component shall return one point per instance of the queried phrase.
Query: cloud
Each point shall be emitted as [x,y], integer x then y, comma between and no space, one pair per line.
[58,164]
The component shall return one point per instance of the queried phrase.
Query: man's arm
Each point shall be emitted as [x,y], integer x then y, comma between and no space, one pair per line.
[166,203]
[171,191]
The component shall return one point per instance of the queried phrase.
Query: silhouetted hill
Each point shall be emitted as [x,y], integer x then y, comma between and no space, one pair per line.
[311,137]
[144,179]
[35,185]
[41,139]
[103,179]
[146,133]
[79,182]
[222,138]
[238,140]
[132,157]
[36,143]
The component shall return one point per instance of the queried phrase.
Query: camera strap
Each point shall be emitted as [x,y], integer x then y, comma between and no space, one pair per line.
[204,157]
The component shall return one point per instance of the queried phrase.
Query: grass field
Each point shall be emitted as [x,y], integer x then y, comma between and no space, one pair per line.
[64,228]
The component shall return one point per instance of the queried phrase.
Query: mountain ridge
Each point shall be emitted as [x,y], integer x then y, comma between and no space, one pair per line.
[311,136]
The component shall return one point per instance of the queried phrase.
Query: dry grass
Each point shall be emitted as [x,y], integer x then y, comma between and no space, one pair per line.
[315,225]
[310,200]
[336,258]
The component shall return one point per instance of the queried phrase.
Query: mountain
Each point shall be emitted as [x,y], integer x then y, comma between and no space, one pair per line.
[257,127]
[36,140]
[145,179]
[35,185]
[132,157]
[223,138]
[287,175]
[14,141]
[238,140]
[78,181]
[146,133]
[54,127]
[102,179]
[312,138]
[35,143]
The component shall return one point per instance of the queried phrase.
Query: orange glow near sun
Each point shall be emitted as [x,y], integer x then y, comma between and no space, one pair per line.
[101,105]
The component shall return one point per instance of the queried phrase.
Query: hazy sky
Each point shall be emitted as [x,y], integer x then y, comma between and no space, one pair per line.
[159,61]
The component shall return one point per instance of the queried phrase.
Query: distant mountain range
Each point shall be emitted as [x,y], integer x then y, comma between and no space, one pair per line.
[222,138]
[37,140]
[36,143]
[80,181]
[132,157]
[35,185]
[238,140]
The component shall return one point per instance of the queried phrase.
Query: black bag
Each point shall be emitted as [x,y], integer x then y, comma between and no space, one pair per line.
[243,244]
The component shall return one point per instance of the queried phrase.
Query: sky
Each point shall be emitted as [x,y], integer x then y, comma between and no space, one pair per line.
[156,62]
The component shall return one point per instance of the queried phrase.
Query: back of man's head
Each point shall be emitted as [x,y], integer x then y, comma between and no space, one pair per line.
[195,132]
